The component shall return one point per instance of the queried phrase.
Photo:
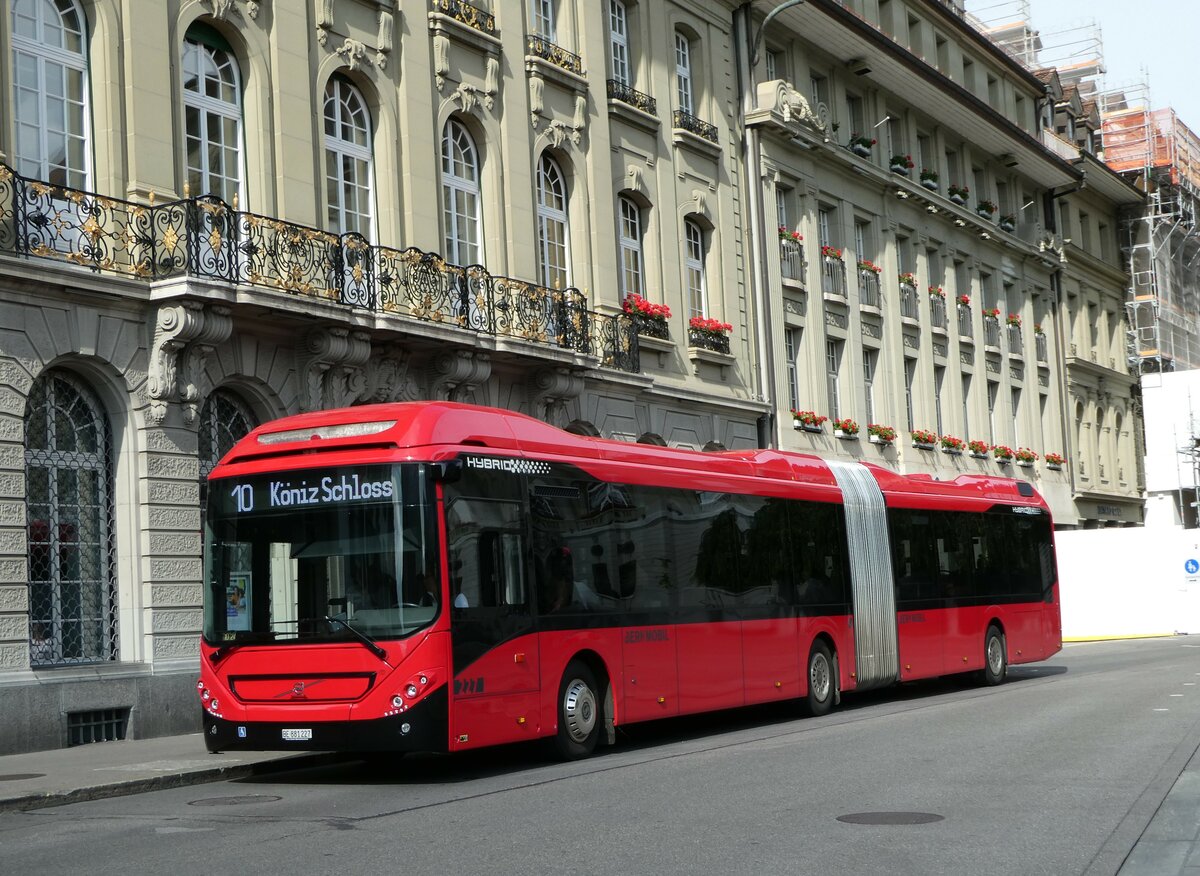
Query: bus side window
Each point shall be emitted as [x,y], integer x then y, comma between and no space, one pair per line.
[486,553]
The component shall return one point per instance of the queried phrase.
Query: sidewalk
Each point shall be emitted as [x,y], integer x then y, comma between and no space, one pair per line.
[113,769]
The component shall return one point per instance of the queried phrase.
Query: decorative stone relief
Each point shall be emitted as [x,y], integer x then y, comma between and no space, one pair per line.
[454,375]
[383,42]
[324,16]
[837,320]
[387,378]
[992,365]
[912,342]
[558,132]
[353,53]
[330,364]
[939,349]
[468,97]
[633,179]
[792,106]
[220,9]
[536,87]
[872,329]
[185,333]
[966,357]
[551,389]
[441,59]
[1016,372]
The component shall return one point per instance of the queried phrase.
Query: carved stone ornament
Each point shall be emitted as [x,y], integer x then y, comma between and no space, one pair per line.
[441,59]
[185,333]
[324,16]
[559,132]
[634,181]
[330,364]
[791,107]
[455,375]
[383,41]
[551,389]
[387,378]
[353,53]
[468,97]
[220,9]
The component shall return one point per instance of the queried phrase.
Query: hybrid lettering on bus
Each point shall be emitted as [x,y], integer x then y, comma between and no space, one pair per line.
[438,576]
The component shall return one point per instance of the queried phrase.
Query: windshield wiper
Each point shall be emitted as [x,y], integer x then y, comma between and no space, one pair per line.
[366,640]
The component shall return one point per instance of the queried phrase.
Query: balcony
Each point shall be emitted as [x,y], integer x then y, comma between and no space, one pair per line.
[868,289]
[965,330]
[910,306]
[991,331]
[619,91]
[702,339]
[937,313]
[204,238]
[833,277]
[1041,347]
[693,125]
[1016,341]
[792,265]
[539,47]
[464,13]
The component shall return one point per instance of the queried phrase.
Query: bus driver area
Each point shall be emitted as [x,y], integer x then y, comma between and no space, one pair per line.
[437,576]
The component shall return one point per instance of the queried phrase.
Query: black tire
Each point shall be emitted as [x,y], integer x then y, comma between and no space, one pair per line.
[580,716]
[995,657]
[822,684]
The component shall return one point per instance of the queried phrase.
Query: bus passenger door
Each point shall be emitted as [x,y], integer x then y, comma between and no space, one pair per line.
[494,694]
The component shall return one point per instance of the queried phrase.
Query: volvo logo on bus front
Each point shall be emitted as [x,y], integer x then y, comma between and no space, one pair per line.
[298,689]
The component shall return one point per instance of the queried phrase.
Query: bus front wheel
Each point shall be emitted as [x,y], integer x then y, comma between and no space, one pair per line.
[995,657]
[579,714]
[820,680]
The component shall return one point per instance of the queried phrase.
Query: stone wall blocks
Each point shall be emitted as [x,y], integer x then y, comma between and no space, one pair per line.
[173,492]
[13,570]
[180,467]
[174,595]
[183,544]
[175,570]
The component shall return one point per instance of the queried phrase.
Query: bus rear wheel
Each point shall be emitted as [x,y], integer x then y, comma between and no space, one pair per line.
[820,680]
[579,714]
[995,657]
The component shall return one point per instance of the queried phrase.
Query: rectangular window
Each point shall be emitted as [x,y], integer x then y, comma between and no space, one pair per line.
[631,248]
[968,76]
[896,144]
[543,19]
[1021,110]
[966,406]
[791,339]
[618,32]
[1015,400]
[916,44]
[819,87]
[825,227]
[939,378]
[994,96]
[943,53]
[925,157]
[833,364]
[776,65]
[781,207]
[861,246]
[993,391]
[683,74]
[855,115]
[694,270]
[869,357]
[953,168]
[1085,232]
[910,378]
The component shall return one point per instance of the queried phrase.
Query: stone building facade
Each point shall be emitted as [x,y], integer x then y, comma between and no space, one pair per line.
[216,212]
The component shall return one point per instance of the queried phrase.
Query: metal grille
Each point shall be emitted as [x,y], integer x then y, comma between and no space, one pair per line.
[69,514]
[98,725]
[224,421]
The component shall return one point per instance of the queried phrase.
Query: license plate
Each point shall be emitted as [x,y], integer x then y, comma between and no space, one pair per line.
[298,735]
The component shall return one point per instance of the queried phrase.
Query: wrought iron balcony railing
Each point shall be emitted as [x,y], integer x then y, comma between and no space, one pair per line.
[620,91]
[1042,348]
[791,260]
[707,340]
[542,48]
[910,306]
[991,331]
[868,289]
[937,312]
[471,16]
[965,329]
[1016,342]
[204,237]
[833,276]
[692,124]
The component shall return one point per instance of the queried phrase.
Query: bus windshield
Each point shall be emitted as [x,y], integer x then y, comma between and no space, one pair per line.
[337,553]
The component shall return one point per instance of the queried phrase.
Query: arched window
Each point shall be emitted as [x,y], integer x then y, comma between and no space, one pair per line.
[693,264]
[69,514]
[224,421]
[630,235]
[461,195]
[50,91]
[349,172]
[212,108]
[553,238]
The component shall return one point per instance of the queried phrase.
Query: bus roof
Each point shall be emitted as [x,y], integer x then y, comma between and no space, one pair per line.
[438,430]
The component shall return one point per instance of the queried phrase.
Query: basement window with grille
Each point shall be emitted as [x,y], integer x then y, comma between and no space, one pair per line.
[98,725]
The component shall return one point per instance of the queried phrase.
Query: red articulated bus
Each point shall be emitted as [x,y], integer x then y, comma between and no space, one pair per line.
[439,576]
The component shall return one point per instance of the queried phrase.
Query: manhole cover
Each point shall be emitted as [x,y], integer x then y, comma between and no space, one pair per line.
[235,801]
[890,818]
[17,777]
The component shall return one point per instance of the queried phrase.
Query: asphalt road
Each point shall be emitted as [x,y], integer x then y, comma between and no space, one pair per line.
[1056,772]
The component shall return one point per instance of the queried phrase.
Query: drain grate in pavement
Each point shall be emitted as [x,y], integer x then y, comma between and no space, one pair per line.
[235,801]
[17,777]
[890,818]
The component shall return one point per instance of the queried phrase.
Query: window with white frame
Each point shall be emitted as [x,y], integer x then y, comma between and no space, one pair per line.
[461,195]
[910,378]
[939,380]
[553,238]
[966,404]
[1015,401]
[825,227]
[869,358]
[212,110]
[693,265]
[791,340]
[833,367]
[349,164]
[542,12]
[618,40]
[683,75]
[630,238]
[50,92]
[993,391]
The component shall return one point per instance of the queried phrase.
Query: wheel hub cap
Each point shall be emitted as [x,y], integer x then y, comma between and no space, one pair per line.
[579,710]
[818,678]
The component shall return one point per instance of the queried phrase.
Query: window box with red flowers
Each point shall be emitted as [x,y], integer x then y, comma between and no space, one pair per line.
[978,449]
[868,265]
[1013,319]
[1002,453]
[923,439]
[1055,461]
[986,208]
[952,445]
[992,312]
[845,428]
[908,279]
[807,421]
[963,300]
[1024,456]
[790,236]
[929,179]
[901,164]
[937,292]
[861,146]
[649,319]
[831,252]
[958,194]
[709,334]
[1008,223]
[880,434]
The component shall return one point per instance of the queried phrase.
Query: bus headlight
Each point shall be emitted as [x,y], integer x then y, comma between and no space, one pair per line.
[411,691]
[397,702]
